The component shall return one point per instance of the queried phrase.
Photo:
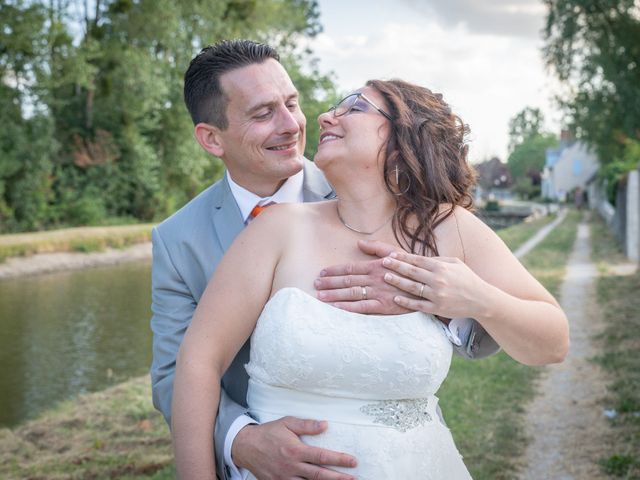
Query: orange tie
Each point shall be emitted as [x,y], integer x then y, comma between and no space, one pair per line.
[258,209]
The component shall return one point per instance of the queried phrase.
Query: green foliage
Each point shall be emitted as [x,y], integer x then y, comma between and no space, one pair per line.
[616,170]
[529,156]
[593,47]
[528,146]
[95,126]
[525,125]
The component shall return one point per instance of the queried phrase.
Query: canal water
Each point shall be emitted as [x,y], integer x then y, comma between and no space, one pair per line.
[72,332]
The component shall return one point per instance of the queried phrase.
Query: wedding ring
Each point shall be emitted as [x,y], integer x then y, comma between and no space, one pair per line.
[364,293]
[421,290]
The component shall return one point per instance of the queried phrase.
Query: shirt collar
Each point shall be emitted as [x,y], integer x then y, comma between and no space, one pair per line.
[289,192]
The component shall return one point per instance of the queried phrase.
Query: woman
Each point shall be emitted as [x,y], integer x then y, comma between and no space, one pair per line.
[396,157]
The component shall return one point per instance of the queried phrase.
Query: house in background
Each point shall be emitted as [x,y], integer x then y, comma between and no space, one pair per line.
[569,166]
[494,180]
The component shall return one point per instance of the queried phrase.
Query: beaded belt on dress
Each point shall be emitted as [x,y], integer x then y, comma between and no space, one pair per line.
[401,415]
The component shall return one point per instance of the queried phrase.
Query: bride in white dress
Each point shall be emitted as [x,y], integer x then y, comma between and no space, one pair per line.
[396,157]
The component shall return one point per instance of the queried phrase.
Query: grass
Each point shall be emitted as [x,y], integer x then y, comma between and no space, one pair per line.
[81,239]
[111,434]
[483,401]
[118,434]
[620,344]
[516,235]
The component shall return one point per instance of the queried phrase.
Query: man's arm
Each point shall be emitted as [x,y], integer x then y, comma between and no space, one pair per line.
[341,285]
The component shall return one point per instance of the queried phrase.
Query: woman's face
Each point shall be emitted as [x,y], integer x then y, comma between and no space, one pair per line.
[355,131]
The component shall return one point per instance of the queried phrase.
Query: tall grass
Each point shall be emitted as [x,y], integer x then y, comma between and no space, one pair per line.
[620,343]
[82,239]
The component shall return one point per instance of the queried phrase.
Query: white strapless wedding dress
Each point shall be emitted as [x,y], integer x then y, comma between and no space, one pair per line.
[373,378]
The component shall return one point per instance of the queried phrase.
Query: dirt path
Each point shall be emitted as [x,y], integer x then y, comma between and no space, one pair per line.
[565,421]
[54,262]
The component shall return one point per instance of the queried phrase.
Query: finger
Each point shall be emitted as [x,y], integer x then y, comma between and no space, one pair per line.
[301,426]
[322,456]
[362,306]
[417,273]
[342,281]
[416,305]
[412,287]
[421,261]
[351,294]
[312,472]
[376,248]
[355,268]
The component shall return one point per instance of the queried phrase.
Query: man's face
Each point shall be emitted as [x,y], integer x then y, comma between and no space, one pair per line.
[264,142]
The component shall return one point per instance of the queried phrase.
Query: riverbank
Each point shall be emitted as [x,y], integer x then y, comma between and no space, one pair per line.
[72,249]
[58,261]
[78,239]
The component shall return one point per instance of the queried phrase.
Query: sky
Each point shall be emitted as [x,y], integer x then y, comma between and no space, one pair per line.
[483,55]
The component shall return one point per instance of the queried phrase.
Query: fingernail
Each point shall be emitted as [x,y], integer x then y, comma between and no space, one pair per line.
[394,255]
[321,295]
[323,273]
[316,282]
[388,277]
[386,262]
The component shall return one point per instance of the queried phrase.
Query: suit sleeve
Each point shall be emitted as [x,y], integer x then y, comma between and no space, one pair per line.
[476,342]
[173,305]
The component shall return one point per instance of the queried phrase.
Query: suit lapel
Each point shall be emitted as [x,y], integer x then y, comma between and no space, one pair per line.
[227,218]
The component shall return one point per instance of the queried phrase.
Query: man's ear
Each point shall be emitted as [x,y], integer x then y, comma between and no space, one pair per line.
[208,136]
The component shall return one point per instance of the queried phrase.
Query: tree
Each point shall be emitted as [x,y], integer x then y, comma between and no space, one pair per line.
[525,125]
[528,145]
[93,94]
[594,48]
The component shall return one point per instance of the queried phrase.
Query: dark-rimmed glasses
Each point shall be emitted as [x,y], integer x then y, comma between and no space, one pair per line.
[354,102]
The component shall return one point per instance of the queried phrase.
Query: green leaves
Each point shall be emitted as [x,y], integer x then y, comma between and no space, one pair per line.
[105,79]
[593,46]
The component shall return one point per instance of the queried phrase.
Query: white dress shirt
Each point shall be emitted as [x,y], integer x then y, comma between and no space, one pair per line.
[289,192]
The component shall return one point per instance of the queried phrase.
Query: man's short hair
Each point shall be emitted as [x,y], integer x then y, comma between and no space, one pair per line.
[203,94]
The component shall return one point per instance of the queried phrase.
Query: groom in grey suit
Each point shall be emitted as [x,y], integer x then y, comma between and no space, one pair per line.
[245,111]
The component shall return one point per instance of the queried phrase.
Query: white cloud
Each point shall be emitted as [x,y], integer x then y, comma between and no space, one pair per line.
[486,77]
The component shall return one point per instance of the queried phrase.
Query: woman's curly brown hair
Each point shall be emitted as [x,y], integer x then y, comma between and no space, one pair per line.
[427,143]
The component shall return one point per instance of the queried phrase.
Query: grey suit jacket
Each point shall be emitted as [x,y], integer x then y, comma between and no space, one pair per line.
[186,250]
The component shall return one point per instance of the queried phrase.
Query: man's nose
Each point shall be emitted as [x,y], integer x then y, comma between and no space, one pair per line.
[288,122]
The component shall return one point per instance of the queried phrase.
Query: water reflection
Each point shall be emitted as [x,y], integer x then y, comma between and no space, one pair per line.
[71,332]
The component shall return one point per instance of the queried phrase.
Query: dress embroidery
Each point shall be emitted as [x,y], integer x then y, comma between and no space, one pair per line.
[402,415]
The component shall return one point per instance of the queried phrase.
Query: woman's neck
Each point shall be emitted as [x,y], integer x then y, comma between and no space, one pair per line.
[364,210]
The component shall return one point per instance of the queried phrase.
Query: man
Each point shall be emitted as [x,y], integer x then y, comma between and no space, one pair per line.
[245,111]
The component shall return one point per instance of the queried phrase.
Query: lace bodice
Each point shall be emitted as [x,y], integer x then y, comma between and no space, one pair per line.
[304,344]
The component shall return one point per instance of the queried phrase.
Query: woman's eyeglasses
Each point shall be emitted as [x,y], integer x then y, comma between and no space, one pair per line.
[356,102]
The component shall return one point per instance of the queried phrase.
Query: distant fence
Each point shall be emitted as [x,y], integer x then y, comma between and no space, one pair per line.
[624,218]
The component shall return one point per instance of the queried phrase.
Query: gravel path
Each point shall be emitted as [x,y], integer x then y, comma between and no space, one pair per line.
[54,262]
[565,421]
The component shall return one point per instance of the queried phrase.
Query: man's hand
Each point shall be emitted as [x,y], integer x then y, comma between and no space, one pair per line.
[274,450]
[344,285]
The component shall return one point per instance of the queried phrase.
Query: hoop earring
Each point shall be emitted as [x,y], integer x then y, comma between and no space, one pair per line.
[402,192]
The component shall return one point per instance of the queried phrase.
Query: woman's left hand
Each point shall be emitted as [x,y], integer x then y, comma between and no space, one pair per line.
[443,286]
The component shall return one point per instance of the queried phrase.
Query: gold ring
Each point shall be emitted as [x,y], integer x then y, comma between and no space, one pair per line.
[364,293]
[421,290]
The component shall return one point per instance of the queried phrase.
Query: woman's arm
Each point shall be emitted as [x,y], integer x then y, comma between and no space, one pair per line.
[224,319]
[491,286]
